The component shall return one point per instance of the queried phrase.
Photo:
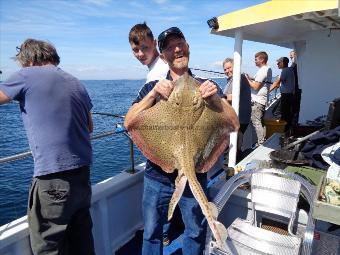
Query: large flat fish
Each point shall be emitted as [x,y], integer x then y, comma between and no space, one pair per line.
[186,134]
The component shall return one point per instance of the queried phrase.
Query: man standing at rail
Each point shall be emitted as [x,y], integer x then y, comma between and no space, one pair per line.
[259,91]
[55,109]
[286,82]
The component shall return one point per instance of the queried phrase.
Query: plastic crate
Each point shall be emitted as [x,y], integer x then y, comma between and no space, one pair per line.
[325,211]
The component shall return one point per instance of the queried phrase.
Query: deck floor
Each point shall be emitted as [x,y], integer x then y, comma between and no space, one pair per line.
[134,247]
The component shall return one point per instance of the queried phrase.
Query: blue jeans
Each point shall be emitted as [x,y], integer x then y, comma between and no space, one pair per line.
[156,200]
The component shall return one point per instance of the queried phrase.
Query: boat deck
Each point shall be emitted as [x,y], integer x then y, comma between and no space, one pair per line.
[134,247]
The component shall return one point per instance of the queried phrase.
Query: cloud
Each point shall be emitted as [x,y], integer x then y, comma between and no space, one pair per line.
[216,64]
[91,35]
[160,1]
[98,2]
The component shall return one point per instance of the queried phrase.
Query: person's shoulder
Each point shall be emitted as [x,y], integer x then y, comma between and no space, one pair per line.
[66,76]
[145,89]
[150,83]
[148,86]
[160,62]
[287,70]
[159,70]
[266,68]
[20,74]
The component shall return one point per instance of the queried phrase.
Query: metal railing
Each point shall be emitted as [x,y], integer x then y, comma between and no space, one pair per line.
[118,130]
[273,99]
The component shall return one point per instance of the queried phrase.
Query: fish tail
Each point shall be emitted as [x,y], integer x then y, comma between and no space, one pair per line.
[181,181]
[209,210]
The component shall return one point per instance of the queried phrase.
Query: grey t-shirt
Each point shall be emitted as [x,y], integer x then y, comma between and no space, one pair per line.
[55,110]
[287,80]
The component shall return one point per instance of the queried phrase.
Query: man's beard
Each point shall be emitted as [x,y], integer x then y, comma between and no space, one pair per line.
[183,63]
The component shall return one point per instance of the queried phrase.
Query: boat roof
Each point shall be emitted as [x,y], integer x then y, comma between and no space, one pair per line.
[280,22]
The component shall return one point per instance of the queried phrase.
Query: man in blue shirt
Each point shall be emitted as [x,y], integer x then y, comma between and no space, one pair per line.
[55,109]
[286,82]
[159,185]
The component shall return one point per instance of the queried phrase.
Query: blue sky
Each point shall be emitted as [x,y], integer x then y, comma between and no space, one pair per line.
[91,36]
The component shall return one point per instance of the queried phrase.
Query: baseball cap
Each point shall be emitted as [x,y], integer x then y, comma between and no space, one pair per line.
[165,34]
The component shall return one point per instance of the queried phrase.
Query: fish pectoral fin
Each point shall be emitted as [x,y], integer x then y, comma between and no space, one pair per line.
[181,181]
[220,230]
[223,234]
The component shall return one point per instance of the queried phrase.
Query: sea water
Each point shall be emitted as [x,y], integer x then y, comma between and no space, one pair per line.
[111,155]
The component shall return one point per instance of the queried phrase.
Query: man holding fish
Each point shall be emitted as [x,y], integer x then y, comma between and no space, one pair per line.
[180,123]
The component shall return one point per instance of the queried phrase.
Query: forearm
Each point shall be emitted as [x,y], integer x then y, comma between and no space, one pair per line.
[275,85]
[135,109]
[254,84]
[232,119]
[4,98]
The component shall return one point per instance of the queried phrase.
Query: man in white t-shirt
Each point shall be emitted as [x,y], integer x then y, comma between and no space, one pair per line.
[144,48]
[259,91]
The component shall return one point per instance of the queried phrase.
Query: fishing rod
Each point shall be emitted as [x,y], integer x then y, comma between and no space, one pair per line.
[209,71]
[109,114]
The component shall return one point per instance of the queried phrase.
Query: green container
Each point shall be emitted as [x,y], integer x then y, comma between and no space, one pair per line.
[325,211]
[313,175]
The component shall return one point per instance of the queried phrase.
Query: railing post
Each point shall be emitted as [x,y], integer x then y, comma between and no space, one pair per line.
[132,158]
[120,128]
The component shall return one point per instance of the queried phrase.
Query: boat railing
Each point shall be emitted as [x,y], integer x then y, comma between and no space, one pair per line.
[273,97]
[119,129]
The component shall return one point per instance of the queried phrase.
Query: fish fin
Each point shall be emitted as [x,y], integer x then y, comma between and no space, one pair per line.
[181,181]
[223,233]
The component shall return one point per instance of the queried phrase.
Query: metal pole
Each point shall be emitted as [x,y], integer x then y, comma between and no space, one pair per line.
[132,157]
[236,93]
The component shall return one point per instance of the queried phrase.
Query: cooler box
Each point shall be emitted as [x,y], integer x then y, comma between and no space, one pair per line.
[274,126]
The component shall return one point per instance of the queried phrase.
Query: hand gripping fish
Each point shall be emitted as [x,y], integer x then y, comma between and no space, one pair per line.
[184,133]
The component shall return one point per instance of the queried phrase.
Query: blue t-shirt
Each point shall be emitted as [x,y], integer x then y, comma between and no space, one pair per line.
[55,110]
[287,80]
[152,170]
